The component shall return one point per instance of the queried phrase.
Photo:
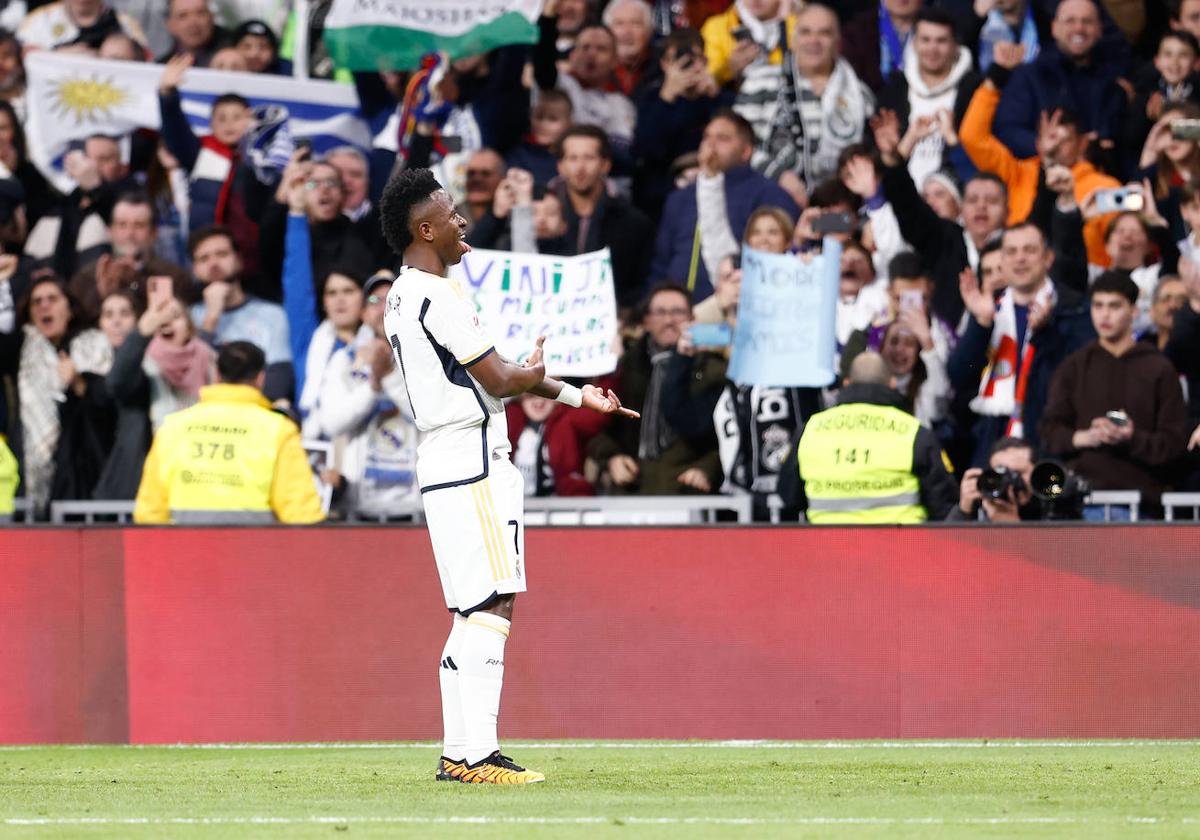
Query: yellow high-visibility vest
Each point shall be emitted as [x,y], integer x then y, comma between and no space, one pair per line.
[8,478]
[856,461]
[224,460]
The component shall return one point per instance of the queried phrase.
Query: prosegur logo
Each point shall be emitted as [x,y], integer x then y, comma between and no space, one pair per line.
[86,99]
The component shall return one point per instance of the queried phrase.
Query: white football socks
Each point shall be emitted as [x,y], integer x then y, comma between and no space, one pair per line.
[480,663]
[452,718]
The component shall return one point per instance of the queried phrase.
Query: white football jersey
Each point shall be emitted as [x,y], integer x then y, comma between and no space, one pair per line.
[436,337]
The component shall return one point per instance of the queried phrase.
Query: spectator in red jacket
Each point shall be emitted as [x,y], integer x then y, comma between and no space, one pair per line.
[548,445]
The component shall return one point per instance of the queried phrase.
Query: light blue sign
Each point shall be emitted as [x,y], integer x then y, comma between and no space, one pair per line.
[787,309]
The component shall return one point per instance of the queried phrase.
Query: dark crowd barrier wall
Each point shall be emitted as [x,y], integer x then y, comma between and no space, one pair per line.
[195,635]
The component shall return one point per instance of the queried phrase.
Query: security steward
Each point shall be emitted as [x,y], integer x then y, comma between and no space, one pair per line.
[867,460]
[229,459]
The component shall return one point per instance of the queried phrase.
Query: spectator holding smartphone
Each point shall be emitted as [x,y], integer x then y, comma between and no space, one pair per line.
[914,342]
[745,33]
[157,370]
[133,234]
[1115,411]
[671,114]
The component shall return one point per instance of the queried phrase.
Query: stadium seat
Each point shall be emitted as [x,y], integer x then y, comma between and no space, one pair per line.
[1110,499]
[1186,501]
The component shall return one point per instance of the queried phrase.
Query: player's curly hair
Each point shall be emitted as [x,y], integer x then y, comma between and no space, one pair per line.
[403,192]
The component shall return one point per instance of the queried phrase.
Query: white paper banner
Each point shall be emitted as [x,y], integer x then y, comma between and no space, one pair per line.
[570,300]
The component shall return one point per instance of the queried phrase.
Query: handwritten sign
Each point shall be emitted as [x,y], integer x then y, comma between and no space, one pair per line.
[570,300]
[787,309]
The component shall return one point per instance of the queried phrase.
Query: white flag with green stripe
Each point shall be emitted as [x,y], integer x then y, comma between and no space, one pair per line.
[394,34]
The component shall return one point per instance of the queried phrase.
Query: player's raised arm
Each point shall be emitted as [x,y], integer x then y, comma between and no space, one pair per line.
[502,378]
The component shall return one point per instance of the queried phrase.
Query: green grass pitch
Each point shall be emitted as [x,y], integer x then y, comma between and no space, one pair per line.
[608,789]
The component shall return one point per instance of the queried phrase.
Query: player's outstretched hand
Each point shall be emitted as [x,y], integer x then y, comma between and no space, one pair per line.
[535,358]
[595,399]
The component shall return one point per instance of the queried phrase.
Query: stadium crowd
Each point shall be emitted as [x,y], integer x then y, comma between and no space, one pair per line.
[1015,183]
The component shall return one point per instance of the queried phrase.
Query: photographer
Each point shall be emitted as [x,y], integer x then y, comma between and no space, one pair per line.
[1005,494]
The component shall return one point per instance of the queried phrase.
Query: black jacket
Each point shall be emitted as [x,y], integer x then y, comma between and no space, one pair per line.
[626,231]
[335,244]
[664,131]
[1183,350]
[939,241]
[939,493]
[1052,81]
[130,391]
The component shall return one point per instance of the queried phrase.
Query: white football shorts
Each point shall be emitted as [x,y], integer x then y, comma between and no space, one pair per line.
[478,536]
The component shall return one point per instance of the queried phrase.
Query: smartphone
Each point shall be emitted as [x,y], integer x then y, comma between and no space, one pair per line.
[711,335]
[742,34]
[1185,129]
[159,288]
[452,143]
[305,146]
[833,223]
[912,299]
[1118,200]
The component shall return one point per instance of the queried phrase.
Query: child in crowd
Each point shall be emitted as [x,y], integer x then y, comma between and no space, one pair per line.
[212,161]
[1170,77]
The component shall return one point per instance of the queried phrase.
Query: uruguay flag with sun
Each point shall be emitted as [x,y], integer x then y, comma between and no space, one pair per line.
[73,97]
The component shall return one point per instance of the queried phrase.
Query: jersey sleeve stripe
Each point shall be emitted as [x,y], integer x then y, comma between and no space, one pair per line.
[478,357]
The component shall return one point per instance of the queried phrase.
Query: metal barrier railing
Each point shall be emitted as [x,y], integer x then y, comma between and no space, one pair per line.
[634,510]
[600,510]
[574,510]
[89,512]
[22,510]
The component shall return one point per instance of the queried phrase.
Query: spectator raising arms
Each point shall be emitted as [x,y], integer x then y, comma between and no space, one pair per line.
[212,161]
[1013,344]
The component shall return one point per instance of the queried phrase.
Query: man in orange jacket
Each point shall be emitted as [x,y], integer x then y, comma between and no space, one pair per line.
[1059,142]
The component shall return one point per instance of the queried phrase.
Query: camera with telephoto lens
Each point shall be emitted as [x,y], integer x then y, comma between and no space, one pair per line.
[995,482]
[1060,491]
